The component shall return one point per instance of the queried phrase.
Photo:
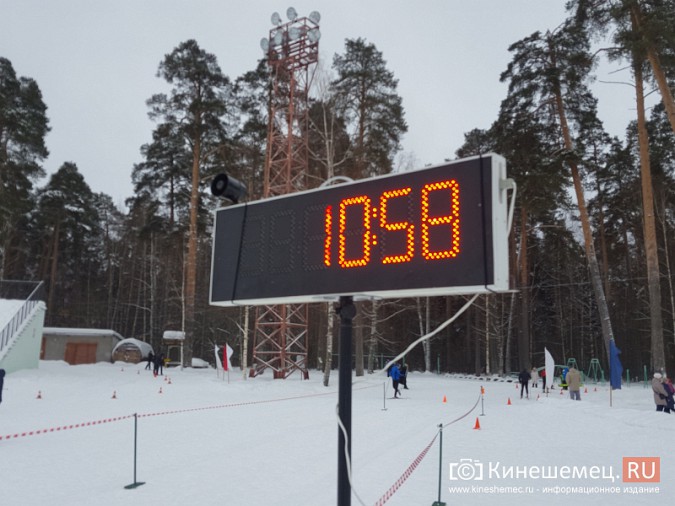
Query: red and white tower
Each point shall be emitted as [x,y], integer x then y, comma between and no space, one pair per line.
[292,49]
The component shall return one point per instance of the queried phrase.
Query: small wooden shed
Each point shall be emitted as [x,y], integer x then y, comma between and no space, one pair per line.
[78,346]
[131,350]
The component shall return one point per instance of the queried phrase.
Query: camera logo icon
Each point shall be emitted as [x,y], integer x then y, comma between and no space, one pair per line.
[466,469]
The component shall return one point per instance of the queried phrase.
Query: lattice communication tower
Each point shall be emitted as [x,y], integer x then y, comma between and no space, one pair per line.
[280,334]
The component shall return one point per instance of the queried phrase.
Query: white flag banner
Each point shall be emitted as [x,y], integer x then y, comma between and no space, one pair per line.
[550,368]
[219,363]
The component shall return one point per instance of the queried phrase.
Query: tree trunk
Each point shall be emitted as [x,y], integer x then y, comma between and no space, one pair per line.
[55,262]
[651,247]
[423,322]
[596,279]
[358,341]
[373,334]
[427,345]
[329,345]
[191,268]
[524,279]
[669,273]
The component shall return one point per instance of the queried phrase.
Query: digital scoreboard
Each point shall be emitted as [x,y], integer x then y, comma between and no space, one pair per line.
[440,230]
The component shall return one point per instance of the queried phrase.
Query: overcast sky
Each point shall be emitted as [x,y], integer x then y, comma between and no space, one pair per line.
[96,62]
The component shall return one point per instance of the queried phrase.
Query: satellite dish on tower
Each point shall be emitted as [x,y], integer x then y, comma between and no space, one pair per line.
[291,14]
[276,19]
[314,35]
[265,44]
[314,17]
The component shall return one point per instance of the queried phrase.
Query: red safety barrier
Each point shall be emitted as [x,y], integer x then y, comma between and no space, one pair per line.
[64,427]
[116,419]
[392,490]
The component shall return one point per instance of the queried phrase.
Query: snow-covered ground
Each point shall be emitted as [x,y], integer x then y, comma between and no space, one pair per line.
[202,441]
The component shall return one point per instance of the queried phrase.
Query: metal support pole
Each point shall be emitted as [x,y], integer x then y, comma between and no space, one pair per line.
[135,483]
[440,465]
[347,311]
[384,396]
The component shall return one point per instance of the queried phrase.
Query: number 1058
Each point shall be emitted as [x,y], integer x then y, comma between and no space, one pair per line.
[369,218]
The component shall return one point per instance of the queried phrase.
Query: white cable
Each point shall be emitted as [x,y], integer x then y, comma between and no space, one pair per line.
[430,334]
[347,457]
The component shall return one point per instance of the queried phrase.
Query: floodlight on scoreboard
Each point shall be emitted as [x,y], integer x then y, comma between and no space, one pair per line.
[440,230]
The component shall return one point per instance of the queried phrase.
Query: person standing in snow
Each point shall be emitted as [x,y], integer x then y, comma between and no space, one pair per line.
[151,359]
[159,364]
[404,376]
[524,378]
[660,393]
[534,376]
[2,380]
[395,374]
[543,380]
[574,383]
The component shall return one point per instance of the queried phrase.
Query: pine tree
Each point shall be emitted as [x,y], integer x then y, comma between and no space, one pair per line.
[548,76]
[23,127]
[67,232]
[195,110]
[365,92]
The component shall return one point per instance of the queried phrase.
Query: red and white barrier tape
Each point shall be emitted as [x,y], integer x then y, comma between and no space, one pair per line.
[116,419]
[63,427]
[392,490]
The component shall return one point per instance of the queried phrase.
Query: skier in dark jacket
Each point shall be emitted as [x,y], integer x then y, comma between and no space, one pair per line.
[395,374]
[159,364]
[2,380]
[404,377]
[524,378]
[151,360]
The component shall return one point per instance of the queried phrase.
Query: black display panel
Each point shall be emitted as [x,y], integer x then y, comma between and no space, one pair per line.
[438,230]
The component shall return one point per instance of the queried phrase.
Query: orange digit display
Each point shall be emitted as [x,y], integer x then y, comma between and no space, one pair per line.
[366,239]
[450,220]
[328,239]
[408,227]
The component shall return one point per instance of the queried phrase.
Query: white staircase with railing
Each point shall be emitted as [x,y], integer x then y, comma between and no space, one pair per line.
[21,324]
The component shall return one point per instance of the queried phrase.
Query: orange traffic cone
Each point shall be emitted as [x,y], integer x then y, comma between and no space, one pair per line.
[477,426]
[445,399]
[169,381]
[39,395]
[114,394]
[160,390]
[508,403]
[595,389]
[537,396]
[561,391]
